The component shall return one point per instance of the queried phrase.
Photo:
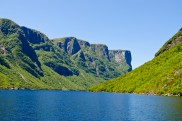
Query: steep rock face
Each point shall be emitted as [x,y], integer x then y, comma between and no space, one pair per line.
[100,50]
[95,58]
[83,44]
[117,55]
[34,36]
[15,45]
[29,51]
[69,45]
[128,59]
[79,55]
[121,56]
[29,59]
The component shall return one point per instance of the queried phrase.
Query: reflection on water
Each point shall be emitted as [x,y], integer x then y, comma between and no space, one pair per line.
[42,105]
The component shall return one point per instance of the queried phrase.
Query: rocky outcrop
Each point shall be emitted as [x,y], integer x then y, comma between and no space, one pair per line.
[117,55]
[2,50]
[15,44]
[70,45]
[121,56]
[29,59]
[83,44]
[96,58]
[128,59]
[34,36]
[100,50]
[176,39]
[81,55]
[160,76]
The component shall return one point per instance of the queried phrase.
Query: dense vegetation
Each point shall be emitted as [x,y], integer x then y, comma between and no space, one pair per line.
[29,59]
[161,75]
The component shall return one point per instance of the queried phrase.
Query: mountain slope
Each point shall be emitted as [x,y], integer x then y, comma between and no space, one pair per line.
[161,75]
[95,58]
[29,59]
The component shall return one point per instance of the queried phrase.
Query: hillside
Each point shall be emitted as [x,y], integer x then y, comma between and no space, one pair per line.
[161,75]
[29,59]
[95,58]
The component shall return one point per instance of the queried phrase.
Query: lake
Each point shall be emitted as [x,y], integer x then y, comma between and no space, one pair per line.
[44,105]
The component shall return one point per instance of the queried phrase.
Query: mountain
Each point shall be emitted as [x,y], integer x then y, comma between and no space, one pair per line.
[95,58]
[162,75]
[29,59]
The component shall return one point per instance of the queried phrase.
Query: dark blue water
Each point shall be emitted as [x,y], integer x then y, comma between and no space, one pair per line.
[26,105]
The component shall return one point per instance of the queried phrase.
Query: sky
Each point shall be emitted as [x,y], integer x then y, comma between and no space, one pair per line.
[141,26]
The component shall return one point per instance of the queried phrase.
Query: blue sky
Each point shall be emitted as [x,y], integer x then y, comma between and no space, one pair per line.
[141,26]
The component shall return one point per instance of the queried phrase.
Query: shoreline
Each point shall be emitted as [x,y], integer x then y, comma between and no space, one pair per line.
[149,94]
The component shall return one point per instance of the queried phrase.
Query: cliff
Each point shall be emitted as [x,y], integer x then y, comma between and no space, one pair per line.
[162,75]
[29,59]
[96,58]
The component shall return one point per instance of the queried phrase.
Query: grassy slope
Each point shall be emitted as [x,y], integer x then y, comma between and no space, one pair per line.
[16,77]
[170,43]
[161,75]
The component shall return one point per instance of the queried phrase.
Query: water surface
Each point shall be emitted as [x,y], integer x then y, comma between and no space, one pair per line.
[42,105]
